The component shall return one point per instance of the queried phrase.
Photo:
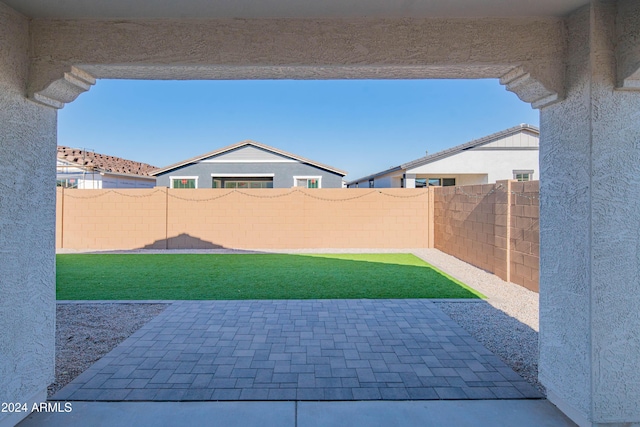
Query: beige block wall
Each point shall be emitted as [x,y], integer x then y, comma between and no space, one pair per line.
[525,234]
[246,219]
[493,226]
[490,226]
[110,219]
[59,215]
[466,221]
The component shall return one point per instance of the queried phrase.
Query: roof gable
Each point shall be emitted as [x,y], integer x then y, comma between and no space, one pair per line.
[248,143]
[247,154]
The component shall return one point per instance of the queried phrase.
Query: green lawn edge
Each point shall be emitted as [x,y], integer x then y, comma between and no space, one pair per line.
[81,267]
[479,294]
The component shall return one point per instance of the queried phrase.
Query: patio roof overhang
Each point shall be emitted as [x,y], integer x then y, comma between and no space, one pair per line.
[141,9]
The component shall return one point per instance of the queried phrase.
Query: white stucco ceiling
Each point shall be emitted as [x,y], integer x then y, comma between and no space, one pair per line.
[290,8]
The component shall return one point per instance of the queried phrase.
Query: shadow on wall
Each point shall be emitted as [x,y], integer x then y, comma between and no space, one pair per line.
[182,241]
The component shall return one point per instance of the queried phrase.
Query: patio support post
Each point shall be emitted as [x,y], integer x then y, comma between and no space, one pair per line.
[27,227]
[590,223]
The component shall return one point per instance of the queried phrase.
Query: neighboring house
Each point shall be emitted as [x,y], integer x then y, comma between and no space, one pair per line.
[249,164]
[84,169]
[509,154]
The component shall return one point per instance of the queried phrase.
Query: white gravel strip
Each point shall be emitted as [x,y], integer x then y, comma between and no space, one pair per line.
[506,323]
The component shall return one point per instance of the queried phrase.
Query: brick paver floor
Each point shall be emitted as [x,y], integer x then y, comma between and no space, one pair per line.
[299,350]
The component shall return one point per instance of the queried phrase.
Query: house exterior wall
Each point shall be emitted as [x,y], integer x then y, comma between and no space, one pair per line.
[589,205]
[461,179]
[119,181]
[497,164]
[488,163]
[27,224]
[283,173]
[381,182]
[520,139]
[96,181]
[394,181]
[93,180]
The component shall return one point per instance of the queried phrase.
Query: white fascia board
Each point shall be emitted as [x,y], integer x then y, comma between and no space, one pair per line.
[248,161]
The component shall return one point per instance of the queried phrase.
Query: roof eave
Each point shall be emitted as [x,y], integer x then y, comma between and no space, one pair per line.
[469,145]
[375,175]
[245,143]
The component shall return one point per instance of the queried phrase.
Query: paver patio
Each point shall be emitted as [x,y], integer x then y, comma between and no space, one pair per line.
[299,350]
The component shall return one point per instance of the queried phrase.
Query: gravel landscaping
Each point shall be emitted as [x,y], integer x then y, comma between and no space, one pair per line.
[506,323]
[86,332]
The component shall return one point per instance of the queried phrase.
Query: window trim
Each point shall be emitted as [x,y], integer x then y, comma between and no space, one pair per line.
[307,177]
[517,172]
[171,178]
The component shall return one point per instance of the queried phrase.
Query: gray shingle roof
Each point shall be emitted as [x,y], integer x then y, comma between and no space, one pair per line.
[245,143]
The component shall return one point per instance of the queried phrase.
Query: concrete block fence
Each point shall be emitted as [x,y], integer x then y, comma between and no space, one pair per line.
[492,226]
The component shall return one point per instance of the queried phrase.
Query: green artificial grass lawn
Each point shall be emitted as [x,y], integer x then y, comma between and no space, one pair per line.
[251,276]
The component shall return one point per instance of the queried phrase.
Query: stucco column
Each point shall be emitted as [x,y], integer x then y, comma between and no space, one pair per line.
[27,226]
[590,225]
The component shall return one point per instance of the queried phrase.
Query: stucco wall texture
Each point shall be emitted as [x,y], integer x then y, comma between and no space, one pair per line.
[589,151]
[297,48]
[590,199]
[27,221]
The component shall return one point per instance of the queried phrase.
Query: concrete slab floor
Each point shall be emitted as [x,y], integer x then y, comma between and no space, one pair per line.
[467,413]
[141,414]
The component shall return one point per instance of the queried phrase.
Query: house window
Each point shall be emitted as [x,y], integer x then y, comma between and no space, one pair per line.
[307,181]
[438,182]
[248,182]
[67,183]
[371,183]
[523,175]
[184,182]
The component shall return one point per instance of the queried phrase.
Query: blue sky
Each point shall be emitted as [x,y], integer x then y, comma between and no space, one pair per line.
[361,126]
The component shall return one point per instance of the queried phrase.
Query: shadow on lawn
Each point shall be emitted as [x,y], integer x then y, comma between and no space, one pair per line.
[182,241]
